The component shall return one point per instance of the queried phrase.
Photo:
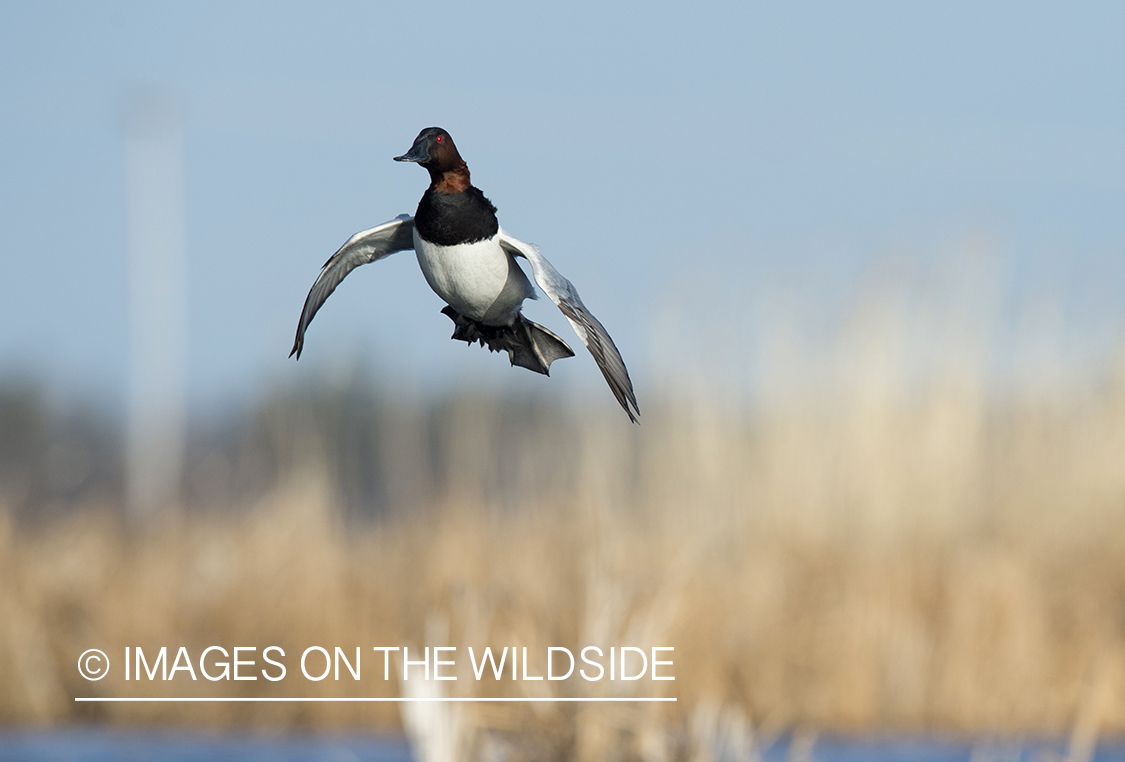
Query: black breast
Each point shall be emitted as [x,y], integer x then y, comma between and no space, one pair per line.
[448,219]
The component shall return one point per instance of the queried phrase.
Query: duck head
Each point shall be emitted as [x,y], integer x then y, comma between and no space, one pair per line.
[434,150]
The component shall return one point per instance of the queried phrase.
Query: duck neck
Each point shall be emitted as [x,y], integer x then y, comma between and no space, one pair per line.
[452,180]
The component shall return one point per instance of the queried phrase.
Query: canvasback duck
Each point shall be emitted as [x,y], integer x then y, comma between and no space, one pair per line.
[469,261]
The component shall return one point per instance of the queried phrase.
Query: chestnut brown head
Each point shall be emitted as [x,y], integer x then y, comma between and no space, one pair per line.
[434,150]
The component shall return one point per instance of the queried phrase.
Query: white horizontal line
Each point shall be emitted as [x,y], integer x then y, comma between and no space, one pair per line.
[356,699]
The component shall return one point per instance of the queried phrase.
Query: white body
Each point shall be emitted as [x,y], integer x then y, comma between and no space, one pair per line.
[480,280]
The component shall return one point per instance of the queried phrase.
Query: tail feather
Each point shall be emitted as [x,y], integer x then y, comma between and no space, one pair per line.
[529,345]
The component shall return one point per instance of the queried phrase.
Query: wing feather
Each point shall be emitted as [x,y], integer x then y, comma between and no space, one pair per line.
[362,248]
[589,329]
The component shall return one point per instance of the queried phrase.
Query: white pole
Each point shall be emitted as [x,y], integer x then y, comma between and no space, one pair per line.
[157,310]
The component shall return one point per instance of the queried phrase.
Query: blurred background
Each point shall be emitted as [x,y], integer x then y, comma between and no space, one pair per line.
[866,264]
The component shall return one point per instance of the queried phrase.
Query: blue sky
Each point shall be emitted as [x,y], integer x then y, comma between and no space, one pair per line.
[676,162]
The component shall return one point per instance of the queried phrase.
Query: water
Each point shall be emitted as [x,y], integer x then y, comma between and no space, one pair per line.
[126,746]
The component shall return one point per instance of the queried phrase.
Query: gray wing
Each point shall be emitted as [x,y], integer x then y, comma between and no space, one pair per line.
[593,334]
[363,247]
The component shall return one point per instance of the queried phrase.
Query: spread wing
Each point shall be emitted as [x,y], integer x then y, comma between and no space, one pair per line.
[593,334]
[363,247]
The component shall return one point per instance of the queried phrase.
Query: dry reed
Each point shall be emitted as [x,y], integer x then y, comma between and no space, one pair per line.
[932,557]
[937,564]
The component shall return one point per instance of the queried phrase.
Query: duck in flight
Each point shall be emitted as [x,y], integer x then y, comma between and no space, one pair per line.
[470,262]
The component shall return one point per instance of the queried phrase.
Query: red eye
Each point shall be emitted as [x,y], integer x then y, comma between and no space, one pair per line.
[440,139]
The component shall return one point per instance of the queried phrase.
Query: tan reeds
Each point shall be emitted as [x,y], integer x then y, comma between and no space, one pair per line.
[924,557]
